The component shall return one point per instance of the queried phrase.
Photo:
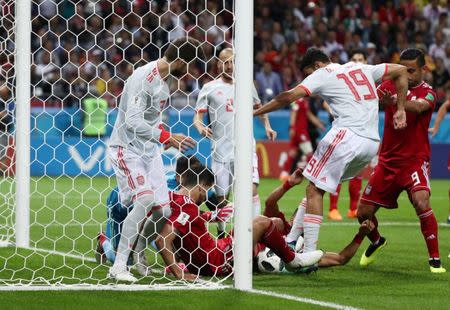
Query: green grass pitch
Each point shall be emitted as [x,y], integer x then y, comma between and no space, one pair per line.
[68,213]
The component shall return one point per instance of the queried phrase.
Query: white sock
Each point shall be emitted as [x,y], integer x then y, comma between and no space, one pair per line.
[131,227]
[256,206]
[312,224]
[297,223]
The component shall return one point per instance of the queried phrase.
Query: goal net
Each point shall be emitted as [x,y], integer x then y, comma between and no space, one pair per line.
[81,54]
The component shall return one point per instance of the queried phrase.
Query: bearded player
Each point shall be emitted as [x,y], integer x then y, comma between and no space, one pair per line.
[216,98]
[353,139]
[134,148]
[203,254]
[404,161]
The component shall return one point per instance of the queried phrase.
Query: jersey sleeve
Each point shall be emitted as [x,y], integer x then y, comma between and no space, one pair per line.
[313,82]
[378,71]
[202,100]
[182,220]
[255,96]
[385,87]
[430,97]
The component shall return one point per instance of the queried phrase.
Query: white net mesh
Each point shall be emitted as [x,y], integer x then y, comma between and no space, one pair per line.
[82,52]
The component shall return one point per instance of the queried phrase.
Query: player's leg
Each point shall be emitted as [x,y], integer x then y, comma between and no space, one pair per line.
[224,179]
[354,189]
[255,179]
[287,166]
[265,231]
[333,213]
[416,179]
[297,223]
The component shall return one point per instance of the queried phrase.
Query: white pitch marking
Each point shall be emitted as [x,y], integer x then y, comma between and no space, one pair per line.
[302,299]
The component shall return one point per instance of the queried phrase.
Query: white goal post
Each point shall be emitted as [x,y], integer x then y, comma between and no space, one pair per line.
[52,229]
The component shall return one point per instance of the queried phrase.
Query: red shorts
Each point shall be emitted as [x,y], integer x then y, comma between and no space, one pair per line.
[387,182]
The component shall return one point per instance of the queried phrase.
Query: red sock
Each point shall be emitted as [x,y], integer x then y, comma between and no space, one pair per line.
[374,235]
[275,241]
[354,188]
[334,198]
[428,225]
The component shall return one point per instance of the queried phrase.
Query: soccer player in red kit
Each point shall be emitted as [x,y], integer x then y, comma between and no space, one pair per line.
[202,253]
[299,134]
[404,160]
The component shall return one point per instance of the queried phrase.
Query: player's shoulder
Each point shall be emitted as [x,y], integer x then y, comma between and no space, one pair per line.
[213,84]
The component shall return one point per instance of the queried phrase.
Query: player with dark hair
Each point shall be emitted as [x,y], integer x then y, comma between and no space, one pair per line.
[134,148]
[404,158]
[353,139]
[199,250]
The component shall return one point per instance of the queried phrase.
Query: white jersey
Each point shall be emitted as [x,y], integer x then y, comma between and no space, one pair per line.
[217,99]
[139,117]
[350,91]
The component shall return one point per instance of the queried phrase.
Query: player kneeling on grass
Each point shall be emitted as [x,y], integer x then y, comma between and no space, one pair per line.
[294,228]
[203,254]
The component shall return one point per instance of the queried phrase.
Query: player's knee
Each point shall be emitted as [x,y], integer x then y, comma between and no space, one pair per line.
[421,204]
[262,222]
[364,212]
[312,191]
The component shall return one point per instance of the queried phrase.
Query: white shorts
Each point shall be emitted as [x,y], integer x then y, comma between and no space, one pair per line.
[139,175]
[224,173]
[340,155]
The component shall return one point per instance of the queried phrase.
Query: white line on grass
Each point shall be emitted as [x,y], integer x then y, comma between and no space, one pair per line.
[64,254]
[301,299]
[112,287]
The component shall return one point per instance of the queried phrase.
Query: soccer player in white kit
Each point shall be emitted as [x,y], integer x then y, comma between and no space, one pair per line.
[134,148]
[216,98]
[353,139]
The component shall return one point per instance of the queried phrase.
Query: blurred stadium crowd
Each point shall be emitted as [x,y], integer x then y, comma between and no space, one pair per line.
[88,48]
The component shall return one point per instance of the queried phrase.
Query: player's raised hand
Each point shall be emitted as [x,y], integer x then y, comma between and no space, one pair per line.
[181,142]
[386,98]
[296,177]
[271,134]
[400,119]
[225,214]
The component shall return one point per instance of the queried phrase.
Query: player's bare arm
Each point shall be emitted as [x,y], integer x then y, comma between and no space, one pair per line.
[200,126]
[415,106]
[439,117]
[164,242]
[331,259]
[272,209]
[282,100]
[399,74]
[315,121]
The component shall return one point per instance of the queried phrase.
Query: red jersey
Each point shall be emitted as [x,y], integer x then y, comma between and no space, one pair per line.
[194,244]
[411,143]
[301,107]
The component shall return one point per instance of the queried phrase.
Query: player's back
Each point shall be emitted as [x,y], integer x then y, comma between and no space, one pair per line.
[350,90]
[400,147]
[143,95]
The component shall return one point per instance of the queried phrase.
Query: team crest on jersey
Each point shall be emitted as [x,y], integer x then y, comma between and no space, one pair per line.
[140,179]
[183,218]
[368,189]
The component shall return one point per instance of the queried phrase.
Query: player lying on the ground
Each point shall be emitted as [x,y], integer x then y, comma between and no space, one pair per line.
[186,234]
[353,139]
[116,212]
[294,228]
[404,160]
[216,99]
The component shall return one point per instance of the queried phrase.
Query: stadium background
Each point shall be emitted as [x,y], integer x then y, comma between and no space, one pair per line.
[72,62]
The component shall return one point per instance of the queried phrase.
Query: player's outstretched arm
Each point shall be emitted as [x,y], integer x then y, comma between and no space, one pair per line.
[282,100]
[399,74]
[331,259]
[417,106]
[272,209]
[164,242]
[440,116]
[200,126]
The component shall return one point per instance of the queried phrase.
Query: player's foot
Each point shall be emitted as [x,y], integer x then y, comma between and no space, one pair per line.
[368,256]
[334,215]
[303,260]
[284,176]
[121,274]
[352,214]
[141,264]
[436,266]
[100,256]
